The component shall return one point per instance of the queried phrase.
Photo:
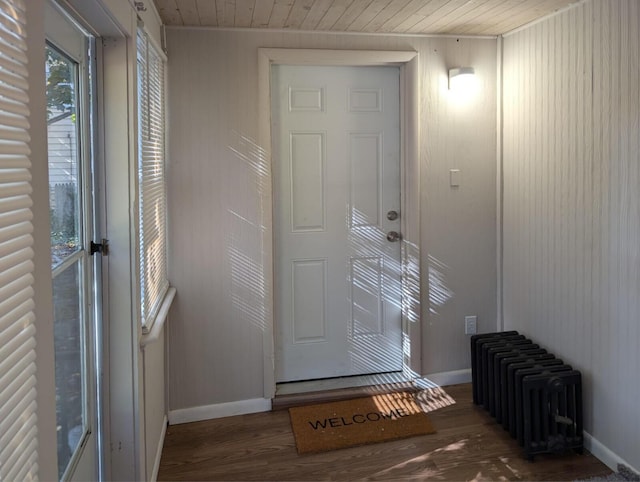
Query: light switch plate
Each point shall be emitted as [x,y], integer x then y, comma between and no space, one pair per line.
[454,177]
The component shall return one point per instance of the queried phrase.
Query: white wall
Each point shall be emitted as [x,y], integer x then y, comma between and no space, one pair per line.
[572,205]
[217,207]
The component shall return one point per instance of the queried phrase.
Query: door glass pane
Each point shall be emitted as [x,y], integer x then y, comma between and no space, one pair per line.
[67,255]
[64,161]
[69,351]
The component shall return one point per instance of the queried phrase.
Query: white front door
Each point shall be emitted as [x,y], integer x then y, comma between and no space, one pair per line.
[337,214]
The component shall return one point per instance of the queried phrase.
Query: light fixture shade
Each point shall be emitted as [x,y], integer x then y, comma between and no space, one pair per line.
[459,76]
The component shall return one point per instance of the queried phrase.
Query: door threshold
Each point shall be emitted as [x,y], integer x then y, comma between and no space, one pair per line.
[292,394]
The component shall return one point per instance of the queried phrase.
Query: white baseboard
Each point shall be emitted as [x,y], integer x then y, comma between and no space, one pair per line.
[604,454]
[156,463]
[443,379]
[219,410]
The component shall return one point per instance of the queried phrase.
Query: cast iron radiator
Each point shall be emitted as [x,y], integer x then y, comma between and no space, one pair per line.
[535,396]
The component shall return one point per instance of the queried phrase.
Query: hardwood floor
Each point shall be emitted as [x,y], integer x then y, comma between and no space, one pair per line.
[469,445]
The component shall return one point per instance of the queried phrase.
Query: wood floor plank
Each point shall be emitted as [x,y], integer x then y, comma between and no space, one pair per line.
[469,445]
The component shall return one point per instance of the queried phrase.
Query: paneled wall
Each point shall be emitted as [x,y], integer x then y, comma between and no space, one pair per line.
[217,180]
[571,204]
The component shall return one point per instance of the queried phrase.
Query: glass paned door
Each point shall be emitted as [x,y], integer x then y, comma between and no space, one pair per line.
[68,82]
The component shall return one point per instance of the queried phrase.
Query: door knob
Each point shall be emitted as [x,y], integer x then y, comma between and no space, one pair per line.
[392,215]
[393,236]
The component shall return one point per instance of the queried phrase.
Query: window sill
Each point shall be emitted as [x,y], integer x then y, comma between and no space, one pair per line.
[160,320]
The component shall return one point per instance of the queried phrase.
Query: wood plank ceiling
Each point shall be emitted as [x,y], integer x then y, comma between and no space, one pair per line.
[456,17]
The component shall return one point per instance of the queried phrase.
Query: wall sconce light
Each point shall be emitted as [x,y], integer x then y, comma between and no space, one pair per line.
[461,78]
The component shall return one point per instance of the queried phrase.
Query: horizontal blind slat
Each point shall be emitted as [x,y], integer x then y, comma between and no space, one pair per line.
[15,189]
[15,66]
[15,203]
[12,231]
[16,230]
[24,456]
[13,133]
[14,424]
[14,175]
[17,252]
[12,40]
[21,313]
[29,472]
[14,80]
[15,293]
[18,428]
[12,45]
[20,335]
[13,277]
[8,219]
[12,107]
[14,148]
[15,403]
[17,9]
[11,120]
[13,94]
[21,369]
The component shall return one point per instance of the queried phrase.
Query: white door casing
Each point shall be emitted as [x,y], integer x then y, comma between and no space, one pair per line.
[408,62]
[336,177]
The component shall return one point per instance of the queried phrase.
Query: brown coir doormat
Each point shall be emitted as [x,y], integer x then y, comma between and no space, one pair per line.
[335,425]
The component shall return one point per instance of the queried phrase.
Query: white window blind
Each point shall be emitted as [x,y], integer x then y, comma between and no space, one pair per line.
[151,173]
[18,430]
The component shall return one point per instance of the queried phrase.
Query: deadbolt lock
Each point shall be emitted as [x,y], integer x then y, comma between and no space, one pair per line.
[392,215]
[393,236]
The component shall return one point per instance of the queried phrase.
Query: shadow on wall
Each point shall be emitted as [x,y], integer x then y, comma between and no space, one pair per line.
[439,293]
[246,251]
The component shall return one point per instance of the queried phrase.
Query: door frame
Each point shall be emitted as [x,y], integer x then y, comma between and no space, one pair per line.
[407,61]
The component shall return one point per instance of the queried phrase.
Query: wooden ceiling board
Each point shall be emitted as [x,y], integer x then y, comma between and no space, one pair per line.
[492,15]
[522,16]
[387,12]
[316,13]
[351,14]
[168,10]
[262,13]
[407,12]
[188,12]
[298,13]
[444,21]
[207,12]
[441,12]
[226,11]
[454,17]
[367,15]
[244,13]
[280,13]
[334,12]
[469,18]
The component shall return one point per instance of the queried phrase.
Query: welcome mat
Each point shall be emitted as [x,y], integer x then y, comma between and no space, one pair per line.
[335,425]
